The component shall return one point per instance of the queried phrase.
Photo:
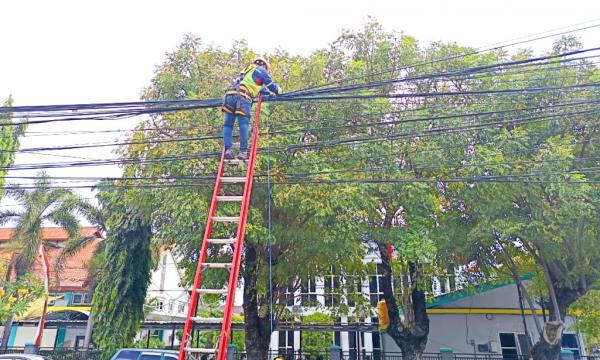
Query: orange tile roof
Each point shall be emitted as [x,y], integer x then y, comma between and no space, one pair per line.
[74,276]
[52,233]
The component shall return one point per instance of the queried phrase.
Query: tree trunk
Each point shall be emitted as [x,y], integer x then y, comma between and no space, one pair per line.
[548,347]
[410,335]
[89,326]
[6,333]
[258,329]
[8,323]
[46,271]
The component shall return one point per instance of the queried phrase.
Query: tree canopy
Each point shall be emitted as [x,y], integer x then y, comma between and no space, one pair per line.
[453,157]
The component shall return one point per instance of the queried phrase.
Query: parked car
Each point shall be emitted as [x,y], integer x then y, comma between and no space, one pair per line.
[145,354]
[23,357]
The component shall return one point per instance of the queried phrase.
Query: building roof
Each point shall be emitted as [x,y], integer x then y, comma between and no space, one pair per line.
[57,234]
[74,276]
[490,290]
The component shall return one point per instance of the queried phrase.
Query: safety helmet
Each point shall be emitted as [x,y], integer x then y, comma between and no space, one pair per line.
[259,60]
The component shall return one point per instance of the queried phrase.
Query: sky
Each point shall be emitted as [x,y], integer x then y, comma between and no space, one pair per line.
[65,52]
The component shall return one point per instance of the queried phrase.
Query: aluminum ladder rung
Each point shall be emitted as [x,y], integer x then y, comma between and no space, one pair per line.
[207,320]
[233,179]
[230,198]
[221,241]
[212,291]
[217,265]
[226,218]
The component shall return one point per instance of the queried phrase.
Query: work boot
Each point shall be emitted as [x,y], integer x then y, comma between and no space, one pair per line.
[243,155]
[228,154]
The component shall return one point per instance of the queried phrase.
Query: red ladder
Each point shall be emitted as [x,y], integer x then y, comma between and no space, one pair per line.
[186,351]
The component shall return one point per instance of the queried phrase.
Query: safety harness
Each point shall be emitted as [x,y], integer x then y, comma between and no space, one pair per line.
[239,86]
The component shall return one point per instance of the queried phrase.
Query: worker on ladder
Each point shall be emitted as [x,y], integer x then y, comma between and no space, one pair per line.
[253,79]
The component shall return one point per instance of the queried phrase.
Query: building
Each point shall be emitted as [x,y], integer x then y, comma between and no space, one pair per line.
[167,299]
[485,320]
[70,293]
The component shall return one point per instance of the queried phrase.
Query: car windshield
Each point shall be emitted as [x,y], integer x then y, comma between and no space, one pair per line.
[127,355]
[150,357]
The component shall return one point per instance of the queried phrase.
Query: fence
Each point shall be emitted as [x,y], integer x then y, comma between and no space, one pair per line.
[60,354]
[380,355]
[70,354]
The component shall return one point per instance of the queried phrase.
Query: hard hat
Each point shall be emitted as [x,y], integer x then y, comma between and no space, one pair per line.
[259,60]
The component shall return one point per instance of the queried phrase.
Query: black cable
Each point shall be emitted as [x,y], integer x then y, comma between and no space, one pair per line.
[304,130]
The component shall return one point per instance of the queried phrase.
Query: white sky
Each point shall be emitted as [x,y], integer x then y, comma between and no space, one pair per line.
[64,52]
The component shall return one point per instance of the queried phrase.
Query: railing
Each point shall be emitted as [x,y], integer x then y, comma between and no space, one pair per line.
[93,354]
[59,353]
[380,355]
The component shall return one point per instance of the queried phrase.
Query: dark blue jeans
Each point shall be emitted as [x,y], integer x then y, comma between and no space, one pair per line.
[241,107]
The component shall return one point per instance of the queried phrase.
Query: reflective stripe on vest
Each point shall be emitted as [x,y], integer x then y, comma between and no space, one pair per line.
[248,82]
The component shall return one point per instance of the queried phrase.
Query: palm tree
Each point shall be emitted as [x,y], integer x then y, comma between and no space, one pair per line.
[41,206]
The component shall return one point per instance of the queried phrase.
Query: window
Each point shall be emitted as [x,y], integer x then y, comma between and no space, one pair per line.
[353,289]
[309,292]
[376,340]
[156,334]
[79,340]
[289,295]
[77,299]
[337,338]
[569,342]
[375,292]
[332,288]
[180,307]
[170,306]
[127,355]
[80,299]
[523,344]
[356,342]
[160,304]
[286,342]
[150,357]
[513,345]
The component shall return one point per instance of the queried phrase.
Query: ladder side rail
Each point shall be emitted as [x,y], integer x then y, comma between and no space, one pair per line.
[237,255]
[188,327]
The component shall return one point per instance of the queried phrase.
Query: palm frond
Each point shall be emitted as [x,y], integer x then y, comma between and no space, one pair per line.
[62,196]
[64,218]
[28,233]
[93,214]
[8,215]
[15,191]
[13,245]
[71,248]
[42,183]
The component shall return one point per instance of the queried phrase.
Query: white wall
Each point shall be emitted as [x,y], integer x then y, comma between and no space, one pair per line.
[166,285]
[26,334]
[458,330]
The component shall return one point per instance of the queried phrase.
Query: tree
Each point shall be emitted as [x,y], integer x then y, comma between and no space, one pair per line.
[360,174]
[118,302]
[547,220]
[10,131]
[16,296]
[40,206]
[587,312]
[316,342]
[177,214]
